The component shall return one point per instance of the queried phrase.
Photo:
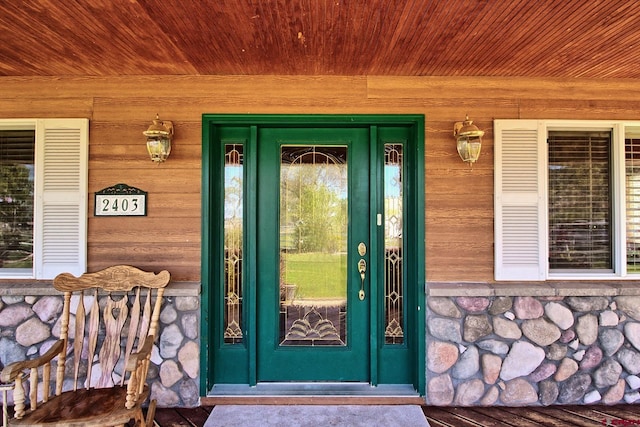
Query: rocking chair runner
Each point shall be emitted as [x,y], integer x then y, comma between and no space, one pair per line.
[120,303]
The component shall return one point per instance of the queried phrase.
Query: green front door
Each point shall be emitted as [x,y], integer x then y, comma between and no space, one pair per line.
[312,250]
[313,235]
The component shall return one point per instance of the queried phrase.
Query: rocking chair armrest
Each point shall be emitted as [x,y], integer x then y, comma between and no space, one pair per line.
[13,370]
[145,352]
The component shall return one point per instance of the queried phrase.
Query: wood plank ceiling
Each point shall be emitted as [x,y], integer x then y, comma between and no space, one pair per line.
[597,39]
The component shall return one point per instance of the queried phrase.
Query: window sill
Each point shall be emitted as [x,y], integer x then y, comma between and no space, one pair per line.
[538,289]
[45,287]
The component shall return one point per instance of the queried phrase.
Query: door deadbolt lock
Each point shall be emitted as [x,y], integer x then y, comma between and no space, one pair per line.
[362,249]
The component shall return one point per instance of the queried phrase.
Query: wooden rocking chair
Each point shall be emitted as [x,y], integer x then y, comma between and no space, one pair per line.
[121,302]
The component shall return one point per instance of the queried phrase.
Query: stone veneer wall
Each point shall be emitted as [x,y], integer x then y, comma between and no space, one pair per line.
[532,350]
[29,324]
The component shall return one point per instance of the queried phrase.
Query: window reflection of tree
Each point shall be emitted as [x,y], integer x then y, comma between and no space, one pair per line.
[16,198]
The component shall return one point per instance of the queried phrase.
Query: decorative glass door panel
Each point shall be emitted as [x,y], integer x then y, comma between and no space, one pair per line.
[393,244]
[313,245]
[233,208]
[314,212]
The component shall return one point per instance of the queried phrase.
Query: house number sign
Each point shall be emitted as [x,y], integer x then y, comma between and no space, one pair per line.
[120,200]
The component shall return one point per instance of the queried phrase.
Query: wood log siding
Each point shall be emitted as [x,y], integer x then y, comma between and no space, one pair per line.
[459,216]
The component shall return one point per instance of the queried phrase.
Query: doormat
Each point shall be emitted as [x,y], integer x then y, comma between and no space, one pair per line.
[318,415]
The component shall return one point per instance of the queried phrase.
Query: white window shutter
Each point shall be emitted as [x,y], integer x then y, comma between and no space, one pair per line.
[519,204]
[61,197]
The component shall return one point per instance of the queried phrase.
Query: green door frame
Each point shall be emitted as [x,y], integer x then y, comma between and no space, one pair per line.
[245,127]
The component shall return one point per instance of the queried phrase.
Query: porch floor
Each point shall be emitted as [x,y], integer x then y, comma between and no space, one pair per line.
[592,415]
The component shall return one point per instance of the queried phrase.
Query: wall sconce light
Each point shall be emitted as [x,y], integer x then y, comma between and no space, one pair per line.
[159,136]
[468,139]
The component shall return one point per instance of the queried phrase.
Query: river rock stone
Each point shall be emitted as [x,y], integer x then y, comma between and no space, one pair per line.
[633,381]
[13,315]
[567,368]
[164,396]
[188,356]
[543,372]
[491,365]
[189,393]
[630,360]
[540,331]
[592,397]
[494,346]
[609,318]
[473,305]
[190,325]
[607,374]
[587,329]
[476,326]
[587,303]
[559,314]
[490,397]
[445,329]
[592,358]
[469,392]
[506,328]
[467,365]
[48,308]
[170,373]
[523,358]
[12,299]
[567,336]
[444,307]
[500,305]
[10,351]
[441,356]
[170,341]
[518,392]
[630,305]
[156,359]
[527,308]
[610,341]
[631,397]
[548,392]
[32,332]
[440,390]
[615,394]
[168,314]
[187,303]
[556,351]
[632,333]
[574,388]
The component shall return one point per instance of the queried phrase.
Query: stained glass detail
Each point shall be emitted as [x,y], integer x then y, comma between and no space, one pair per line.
[233,203]
[313,246]
[393,244]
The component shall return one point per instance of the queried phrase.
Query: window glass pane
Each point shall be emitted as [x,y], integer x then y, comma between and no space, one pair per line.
[233,213]
[313,246]
[632,186]
[394,219]
[17,149]
[579,200]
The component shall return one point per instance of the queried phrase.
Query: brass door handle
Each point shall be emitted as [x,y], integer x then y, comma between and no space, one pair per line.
[362,268]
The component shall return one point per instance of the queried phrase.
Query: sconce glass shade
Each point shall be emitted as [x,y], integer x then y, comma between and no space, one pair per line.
[468,140]
[159,136]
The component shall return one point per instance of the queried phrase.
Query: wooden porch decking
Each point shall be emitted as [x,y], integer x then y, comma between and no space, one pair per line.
[592,415]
